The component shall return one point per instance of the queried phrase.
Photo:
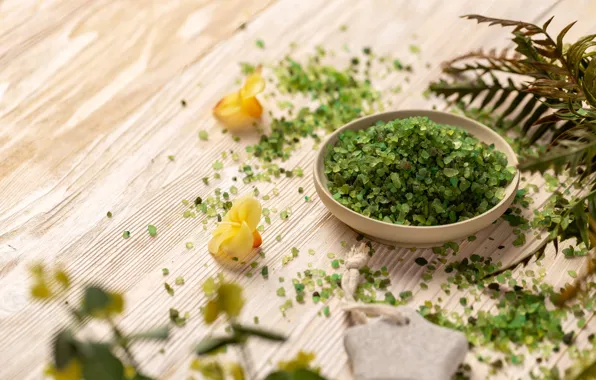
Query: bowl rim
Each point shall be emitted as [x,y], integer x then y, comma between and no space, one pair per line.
[319,164]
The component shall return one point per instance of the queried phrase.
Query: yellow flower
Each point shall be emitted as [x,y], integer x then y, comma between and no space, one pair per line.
[72,371]
[302,360]
[237,233]
[242,108]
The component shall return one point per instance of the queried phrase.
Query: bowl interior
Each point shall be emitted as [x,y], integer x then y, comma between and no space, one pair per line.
[476,129]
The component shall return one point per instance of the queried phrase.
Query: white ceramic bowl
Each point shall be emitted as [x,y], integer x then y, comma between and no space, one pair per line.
[416,236]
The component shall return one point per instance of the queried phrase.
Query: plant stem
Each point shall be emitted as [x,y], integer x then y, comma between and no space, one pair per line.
[123,343]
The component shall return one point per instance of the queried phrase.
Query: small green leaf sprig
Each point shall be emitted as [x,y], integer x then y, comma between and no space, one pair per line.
[225,300]
[74,358]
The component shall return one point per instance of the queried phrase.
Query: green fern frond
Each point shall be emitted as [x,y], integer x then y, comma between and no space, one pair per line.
[487,61]
[568,154]
[526,27]
[472,89]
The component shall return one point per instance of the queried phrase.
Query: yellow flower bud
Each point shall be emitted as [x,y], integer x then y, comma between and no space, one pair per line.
[240,109]
[72,371]
[237,233]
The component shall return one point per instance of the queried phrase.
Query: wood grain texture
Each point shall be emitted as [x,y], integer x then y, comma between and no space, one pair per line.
[90,109]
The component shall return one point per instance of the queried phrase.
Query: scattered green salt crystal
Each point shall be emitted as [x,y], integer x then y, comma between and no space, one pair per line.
[169,289]
[421,261]
[203,135]
[311,252]
[331,255]
[165,271]
[189,245]
[281,292]
[265,271]
[217,165]
[256,320]
[233,190]
[179,280]
[260,44]
[335,264]
[405,295]
[281,279]
[152,230]
[326,311]
[126,234]
[390,299]
[295,252]
[254,264]
[287,305]
[572,273]
[278,238]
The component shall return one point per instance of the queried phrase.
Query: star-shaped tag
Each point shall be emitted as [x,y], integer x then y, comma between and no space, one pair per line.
[417,350]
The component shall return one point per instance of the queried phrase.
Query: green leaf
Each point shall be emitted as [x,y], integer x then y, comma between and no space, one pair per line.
[212,344]
[300,374]
[95,300]
[519,25]
[562,35]
[581,221]
[589,83]
[568,155]
[547,23]
[140,376]
[575,53]
[100,364]
[251,331]
[64,349]
[160,333]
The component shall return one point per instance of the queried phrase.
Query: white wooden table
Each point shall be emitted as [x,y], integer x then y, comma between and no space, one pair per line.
[90,95]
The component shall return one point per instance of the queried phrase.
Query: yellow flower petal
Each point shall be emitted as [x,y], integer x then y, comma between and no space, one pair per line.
[257,239]
[229,299]
[223,232]
[237,234]
[254,85]
[228,105]
[72,371]
[246,209]
[210,312]
[252,107]
[239,244]
[240,109]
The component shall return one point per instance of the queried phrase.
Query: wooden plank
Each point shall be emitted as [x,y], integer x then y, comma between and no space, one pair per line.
[90,132]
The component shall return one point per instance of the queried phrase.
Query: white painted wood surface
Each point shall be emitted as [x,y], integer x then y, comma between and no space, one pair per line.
[90,109]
